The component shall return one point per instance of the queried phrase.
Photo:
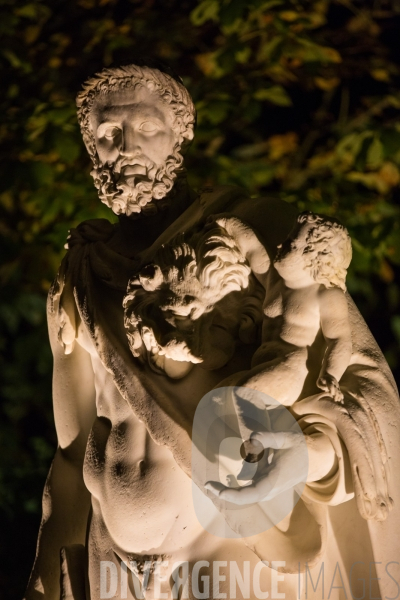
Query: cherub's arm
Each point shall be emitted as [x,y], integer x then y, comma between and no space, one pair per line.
[250,245]
[335,326]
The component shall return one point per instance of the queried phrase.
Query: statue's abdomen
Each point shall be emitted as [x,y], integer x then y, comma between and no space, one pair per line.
[145,499]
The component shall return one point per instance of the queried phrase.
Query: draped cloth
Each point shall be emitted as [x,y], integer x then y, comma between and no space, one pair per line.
[365,431]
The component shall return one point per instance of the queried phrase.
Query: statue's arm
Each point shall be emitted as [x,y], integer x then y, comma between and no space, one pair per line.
[336,329]
[66,501]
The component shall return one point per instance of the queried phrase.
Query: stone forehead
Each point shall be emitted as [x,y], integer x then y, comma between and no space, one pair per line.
[118,80]
[138,98]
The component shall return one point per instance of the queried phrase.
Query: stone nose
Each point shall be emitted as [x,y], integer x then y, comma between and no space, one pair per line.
[129,143]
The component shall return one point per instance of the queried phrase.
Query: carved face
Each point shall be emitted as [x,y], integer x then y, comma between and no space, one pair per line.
[137,148]
[317,250]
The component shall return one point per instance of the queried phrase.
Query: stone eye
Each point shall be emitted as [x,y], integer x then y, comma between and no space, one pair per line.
[111,132]
[148,127]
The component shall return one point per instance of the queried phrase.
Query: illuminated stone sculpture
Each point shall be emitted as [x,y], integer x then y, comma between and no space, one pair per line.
[146,318]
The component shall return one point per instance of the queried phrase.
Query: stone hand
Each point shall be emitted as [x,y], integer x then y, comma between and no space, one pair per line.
[288,469]
[328,383]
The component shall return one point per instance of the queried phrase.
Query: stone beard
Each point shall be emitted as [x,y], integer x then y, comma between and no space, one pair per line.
[127,188]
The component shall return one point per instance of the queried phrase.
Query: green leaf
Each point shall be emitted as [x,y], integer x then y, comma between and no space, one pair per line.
[391,142]
[395,322]
[375,154]
[352,144]
[43,173]
[275,94]
[30,11]
[232,12]
[263,176]
[309,51]
[271,51]
[214,111]
[243,55]
[263,5]
[67,148]
[393,243]
[15,61]
[209,63]
[205,11]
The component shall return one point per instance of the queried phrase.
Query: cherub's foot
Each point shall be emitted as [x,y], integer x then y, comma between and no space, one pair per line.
[376,509]
[328,383]
[374,502]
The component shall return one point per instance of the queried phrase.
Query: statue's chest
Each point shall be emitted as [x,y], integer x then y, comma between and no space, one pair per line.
[293,305]
[300,309]
[274,307]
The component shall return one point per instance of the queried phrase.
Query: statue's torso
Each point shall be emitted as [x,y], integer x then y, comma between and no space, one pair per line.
[136,483]
[142,502]
[143,496]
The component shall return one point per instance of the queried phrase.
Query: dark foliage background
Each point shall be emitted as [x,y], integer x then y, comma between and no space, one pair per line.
[299,98]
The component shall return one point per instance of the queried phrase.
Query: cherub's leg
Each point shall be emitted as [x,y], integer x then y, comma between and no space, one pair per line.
[281,378]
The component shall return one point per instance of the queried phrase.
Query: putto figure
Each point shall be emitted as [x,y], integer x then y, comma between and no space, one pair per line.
[312,265]
[306,296]
[148,316]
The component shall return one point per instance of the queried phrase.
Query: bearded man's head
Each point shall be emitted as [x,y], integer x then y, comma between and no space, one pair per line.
[136,123]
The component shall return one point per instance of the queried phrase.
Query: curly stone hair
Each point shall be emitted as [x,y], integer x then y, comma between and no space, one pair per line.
[328,251]
[166,307]
[171,92]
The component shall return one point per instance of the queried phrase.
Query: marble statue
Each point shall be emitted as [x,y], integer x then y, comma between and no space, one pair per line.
[188,293]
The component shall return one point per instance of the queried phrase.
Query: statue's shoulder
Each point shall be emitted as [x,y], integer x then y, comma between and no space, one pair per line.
[89,231]
[62,311]
[78,240]
[269,216]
